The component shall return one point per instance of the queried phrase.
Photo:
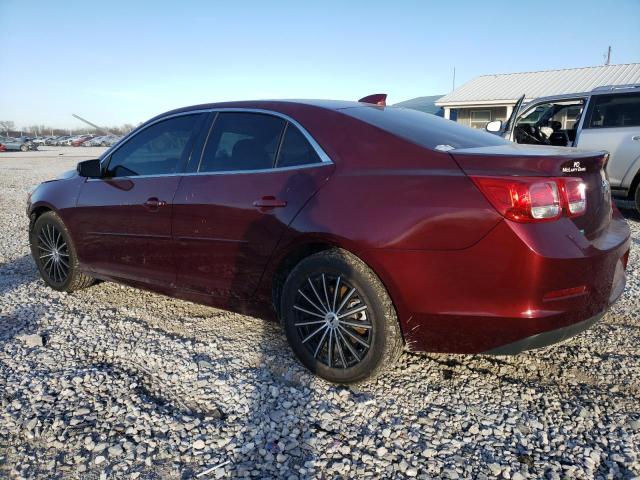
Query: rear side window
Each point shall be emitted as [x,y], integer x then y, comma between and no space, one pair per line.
[424,129]
[242,141]
[610,111]
[156,150]
[295,149]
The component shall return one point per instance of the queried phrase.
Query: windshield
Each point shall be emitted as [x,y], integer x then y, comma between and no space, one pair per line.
[424,129]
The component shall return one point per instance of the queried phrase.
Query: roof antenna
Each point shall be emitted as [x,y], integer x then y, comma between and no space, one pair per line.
[608,61]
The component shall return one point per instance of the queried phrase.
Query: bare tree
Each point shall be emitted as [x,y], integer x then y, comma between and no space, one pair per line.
[7,125]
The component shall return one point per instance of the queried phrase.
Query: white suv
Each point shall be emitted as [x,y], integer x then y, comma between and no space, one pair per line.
[607,118]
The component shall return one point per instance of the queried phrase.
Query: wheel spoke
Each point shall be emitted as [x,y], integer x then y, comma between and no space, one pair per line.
[43,239]
[335,293]
[344,363]
[353,311]
[317,296]
[321,310]
[326,295]
[348,344]
[309,312]
[330,351]
[320,343]
[345,300]
[50,237]
[355,325]
[63,262]
[314,322]
[313,334]
[46,264]
[355,337]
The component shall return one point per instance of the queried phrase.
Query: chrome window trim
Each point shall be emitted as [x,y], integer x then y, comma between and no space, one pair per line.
[228,172]
[324,158]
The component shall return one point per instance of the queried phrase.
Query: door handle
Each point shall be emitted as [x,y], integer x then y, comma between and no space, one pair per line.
[636,138]
[154,204]
[269,201]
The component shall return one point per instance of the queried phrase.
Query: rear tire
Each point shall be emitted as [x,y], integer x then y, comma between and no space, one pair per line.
[637,197]
[55,255]
[339,318]
[24,147]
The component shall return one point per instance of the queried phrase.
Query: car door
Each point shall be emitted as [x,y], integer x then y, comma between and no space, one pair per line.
[613,124]
[124,218]
[256,172]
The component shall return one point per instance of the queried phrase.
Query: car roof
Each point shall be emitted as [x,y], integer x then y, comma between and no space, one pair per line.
[604,90]
[274,105]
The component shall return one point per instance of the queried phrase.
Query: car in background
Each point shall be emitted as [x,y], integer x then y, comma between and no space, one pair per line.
[63,140]
[274,208]
[54,140]
[22,144]
[606,118]
[81,139]
[103,141]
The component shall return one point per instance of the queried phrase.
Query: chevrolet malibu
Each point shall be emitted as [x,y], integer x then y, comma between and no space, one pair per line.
[364,229]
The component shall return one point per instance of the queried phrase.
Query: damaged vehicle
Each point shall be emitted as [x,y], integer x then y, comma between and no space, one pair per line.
[365,229]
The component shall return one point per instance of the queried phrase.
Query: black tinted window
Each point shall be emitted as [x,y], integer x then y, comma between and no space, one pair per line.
[242,141]
[423,128]
[609,111]
[156,150]
[295,149]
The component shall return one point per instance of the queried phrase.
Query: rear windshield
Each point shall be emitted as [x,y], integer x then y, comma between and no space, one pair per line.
[423,128]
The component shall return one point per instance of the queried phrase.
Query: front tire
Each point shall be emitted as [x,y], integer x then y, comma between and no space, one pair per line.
[55,255]
[24,147]
[339,318]
[637,198]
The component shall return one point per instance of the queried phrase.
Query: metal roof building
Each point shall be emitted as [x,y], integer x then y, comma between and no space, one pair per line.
[492,97]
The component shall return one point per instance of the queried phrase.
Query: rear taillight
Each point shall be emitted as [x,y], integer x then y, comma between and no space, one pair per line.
[575,197]
[534,199]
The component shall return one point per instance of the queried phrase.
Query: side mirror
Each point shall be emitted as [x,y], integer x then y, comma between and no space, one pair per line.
[89,168]
[494,127]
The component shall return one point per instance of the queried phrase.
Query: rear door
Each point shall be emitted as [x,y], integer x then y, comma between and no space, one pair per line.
[256,172]
[613,124]
[123,220]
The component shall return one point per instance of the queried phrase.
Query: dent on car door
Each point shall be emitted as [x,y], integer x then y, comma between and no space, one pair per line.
[124,218]
[256,172]
[613,124]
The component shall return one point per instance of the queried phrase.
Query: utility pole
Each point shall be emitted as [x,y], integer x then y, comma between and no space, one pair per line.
[608,56]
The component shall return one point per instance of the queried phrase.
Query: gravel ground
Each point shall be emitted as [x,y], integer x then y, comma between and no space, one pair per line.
[130,384]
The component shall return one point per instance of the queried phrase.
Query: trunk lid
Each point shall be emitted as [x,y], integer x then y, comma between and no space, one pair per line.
[540,161]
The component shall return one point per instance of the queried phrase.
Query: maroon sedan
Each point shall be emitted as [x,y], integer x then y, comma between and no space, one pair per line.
[365,229]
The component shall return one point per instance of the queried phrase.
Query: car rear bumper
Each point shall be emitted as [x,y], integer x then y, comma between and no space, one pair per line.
[495,295]
[545,339]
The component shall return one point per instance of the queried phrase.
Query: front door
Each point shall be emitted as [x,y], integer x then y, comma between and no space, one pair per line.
[257,171]
[124,218]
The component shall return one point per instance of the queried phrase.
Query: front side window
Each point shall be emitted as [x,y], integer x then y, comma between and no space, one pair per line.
[242,141]
[549,123]
[610,111]
[156,150]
